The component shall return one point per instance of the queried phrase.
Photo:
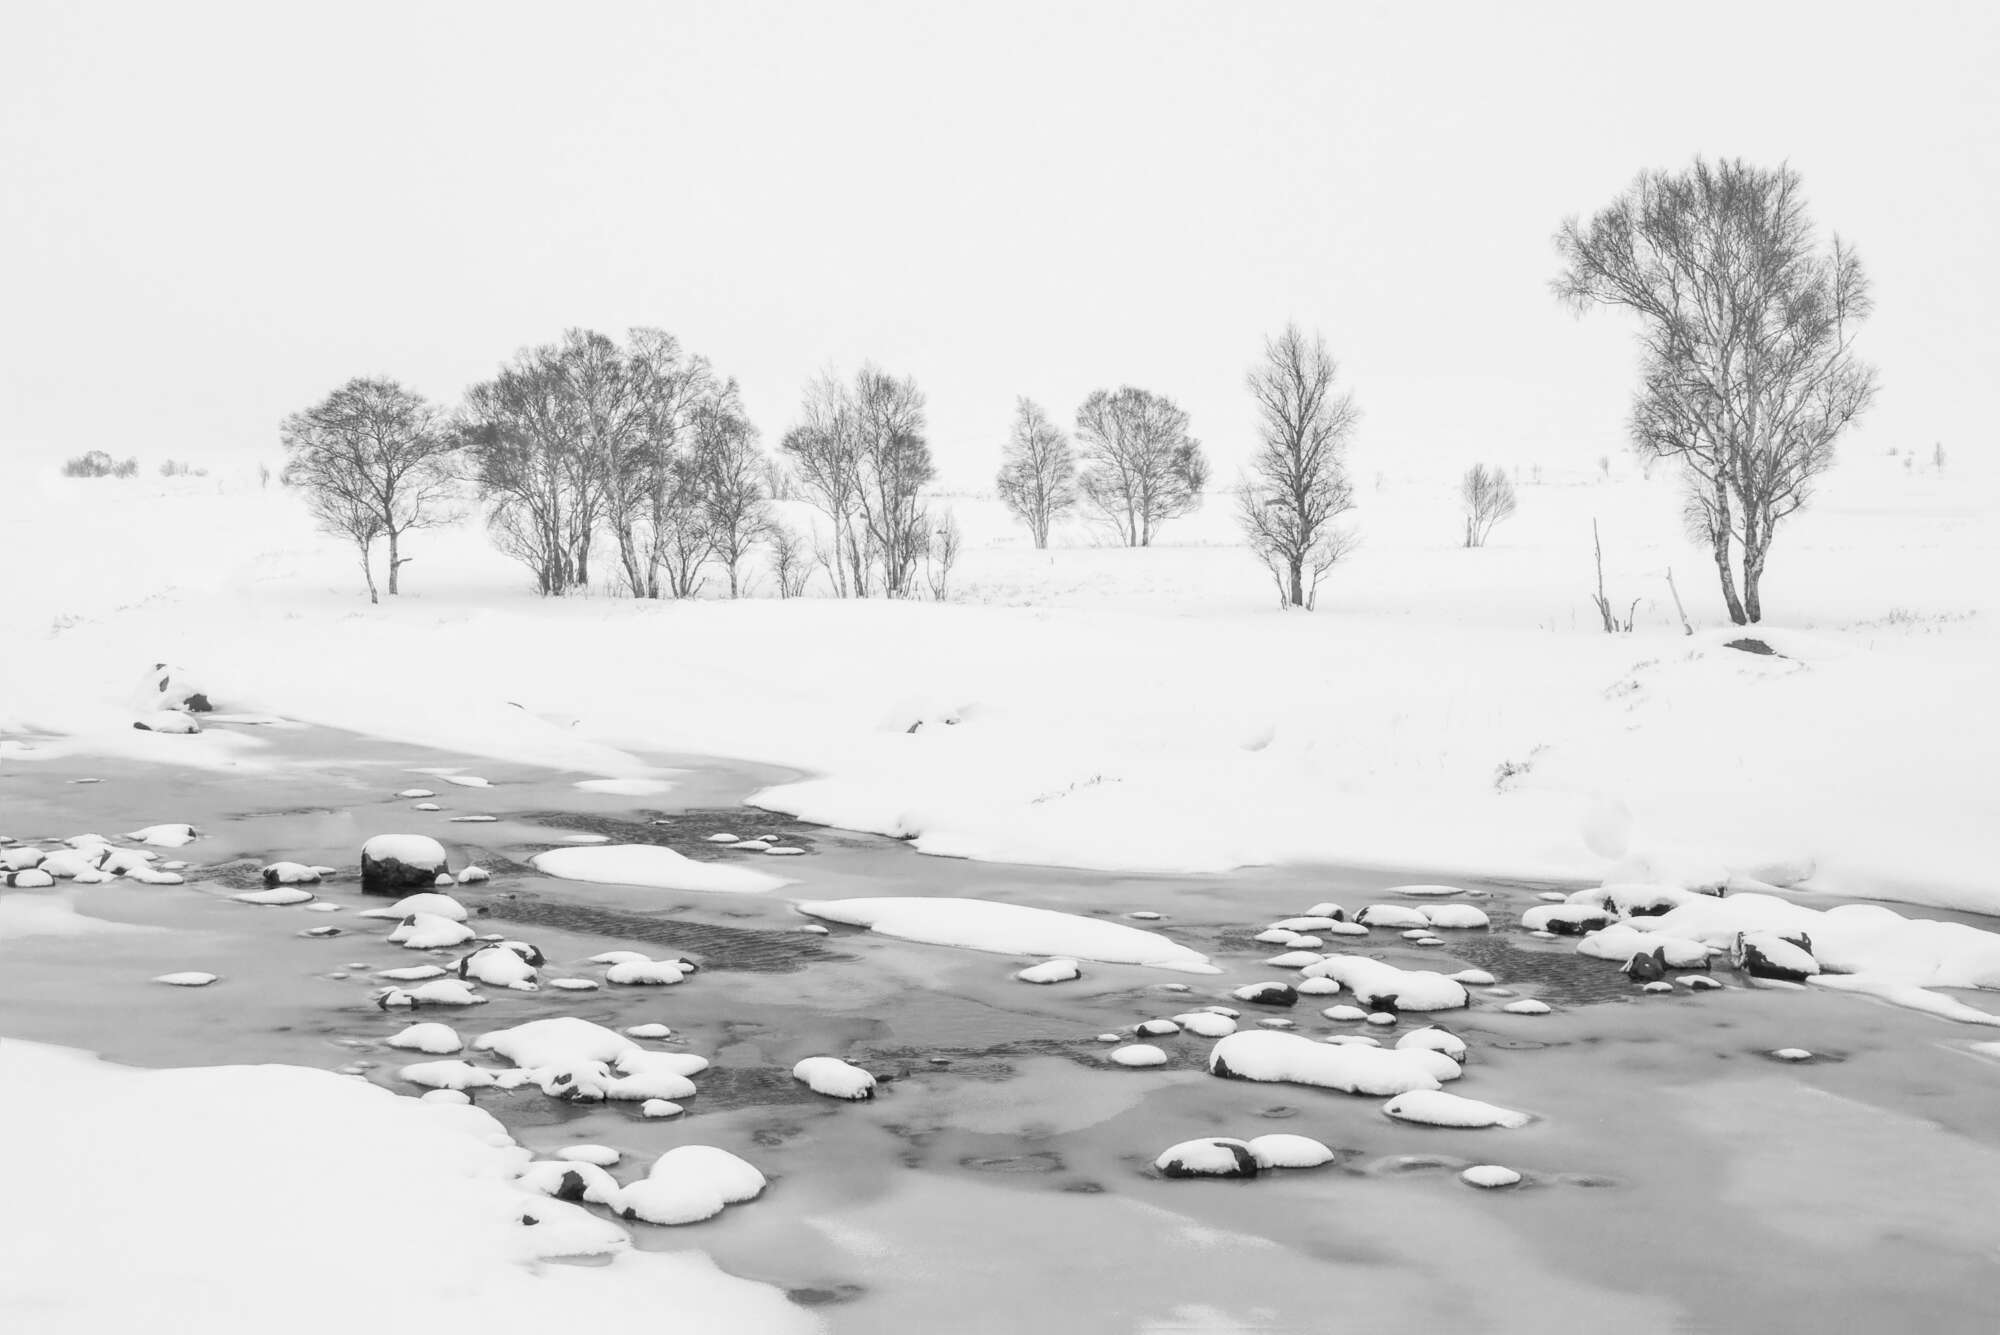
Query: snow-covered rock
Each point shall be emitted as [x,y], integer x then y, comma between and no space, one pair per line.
[430,902]
[169,721]
[1380,986]
[1212,1156]
[1392,915]
[473,873]
[1792,1054]
[437,992]
[1139,1054]
[415,973]
[416,792]
[1282,1150]
[1207,1024]
[1318,987]
[660,1108]
[1271,1055]
[1294,959]
[1768,955]
[186,978]
[603,1156]
[571,1180]
[291,873]
[1434,1107]
[645,973]
[1010,929]
[1438,1039]
[834,1078]
[1526,1006]
[650,1030]
[395,863]
[670,1200]
[1267,994]
[733,1178]
[1312,922]
[1156,1028]
[499,966]
[1050,971]
[573,984]
[1425,891]
[1566,919]
[1456,916]
[1489,1176]
[1621,941]
[428,931]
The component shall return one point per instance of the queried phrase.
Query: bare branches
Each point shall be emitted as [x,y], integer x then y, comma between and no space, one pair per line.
[1298,487]
[1141,467]
[1487,496]
[861,454]
[1038,475]
[1747,333]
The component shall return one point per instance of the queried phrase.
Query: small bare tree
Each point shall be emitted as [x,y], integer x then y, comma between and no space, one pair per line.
[792,561]
[824,450]
[1298,487]
[373,458]
[1141,467]
[1038,474]
[941,554]
[1487,496]
[1749,374]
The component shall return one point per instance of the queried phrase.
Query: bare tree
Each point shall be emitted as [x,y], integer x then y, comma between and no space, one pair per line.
[520,429]
[373,458]
[1487,497]
[1298,487]
[1038,474]
[941,553]
[1141,468]
[1747,329]
[791,561]
[730,473]
[824,451]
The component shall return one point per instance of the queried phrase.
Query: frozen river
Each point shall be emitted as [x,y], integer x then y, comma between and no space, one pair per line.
[1677,1177]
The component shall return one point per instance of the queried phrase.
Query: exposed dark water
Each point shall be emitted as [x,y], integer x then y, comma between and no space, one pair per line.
[1677,1179]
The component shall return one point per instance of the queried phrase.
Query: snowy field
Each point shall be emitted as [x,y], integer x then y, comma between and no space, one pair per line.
[1094,706]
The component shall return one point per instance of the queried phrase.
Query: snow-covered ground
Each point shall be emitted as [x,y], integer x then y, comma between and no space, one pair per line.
[1099,707]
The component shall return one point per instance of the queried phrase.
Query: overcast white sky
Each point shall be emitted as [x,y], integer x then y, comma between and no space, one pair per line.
[212,214]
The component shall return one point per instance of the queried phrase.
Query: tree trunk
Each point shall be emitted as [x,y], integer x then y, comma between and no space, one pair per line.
[368,569]
[1728,578]
[395,562]
[1298,584]
[1753,577]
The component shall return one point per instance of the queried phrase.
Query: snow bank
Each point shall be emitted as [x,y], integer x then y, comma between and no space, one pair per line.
[319,1160]
[1010,929]
[651,865]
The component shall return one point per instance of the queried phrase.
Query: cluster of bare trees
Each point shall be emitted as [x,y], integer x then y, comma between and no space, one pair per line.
[1137,466]
[861,457]
[639,454]
[642,446]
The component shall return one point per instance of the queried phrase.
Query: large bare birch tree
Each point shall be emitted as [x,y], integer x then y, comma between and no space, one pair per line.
[1297,489]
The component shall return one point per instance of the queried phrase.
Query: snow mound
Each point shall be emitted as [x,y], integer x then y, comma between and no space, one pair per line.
[1489,1176]
[645,973]
[436,1039]
[1621,941]
[1434,1107]
[187,978]
[603,1156]
[436,905]
[1207,1024]
[1456,916]
[733,1178]
[1010,929]
[278,896]
[427,931]
[559,1040]
[653,1030]
[834,1078]
[1050,971]
[1526,1006]
[171,835]
[415,973]
[452,1074]
[437,992]
[653,866]
[1294,959]
[1392,915]
[499,966]
[1271,1055]
[1438,1039]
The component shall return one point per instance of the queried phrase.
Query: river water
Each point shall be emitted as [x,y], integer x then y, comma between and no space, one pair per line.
[1678,1178]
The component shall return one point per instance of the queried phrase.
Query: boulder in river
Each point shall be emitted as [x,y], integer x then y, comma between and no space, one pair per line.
[396,864]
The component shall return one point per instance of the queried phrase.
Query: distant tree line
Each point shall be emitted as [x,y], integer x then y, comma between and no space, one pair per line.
[634,464]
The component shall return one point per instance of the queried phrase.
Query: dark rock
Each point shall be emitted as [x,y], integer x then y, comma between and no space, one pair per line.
[401,864]
[1750,646]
